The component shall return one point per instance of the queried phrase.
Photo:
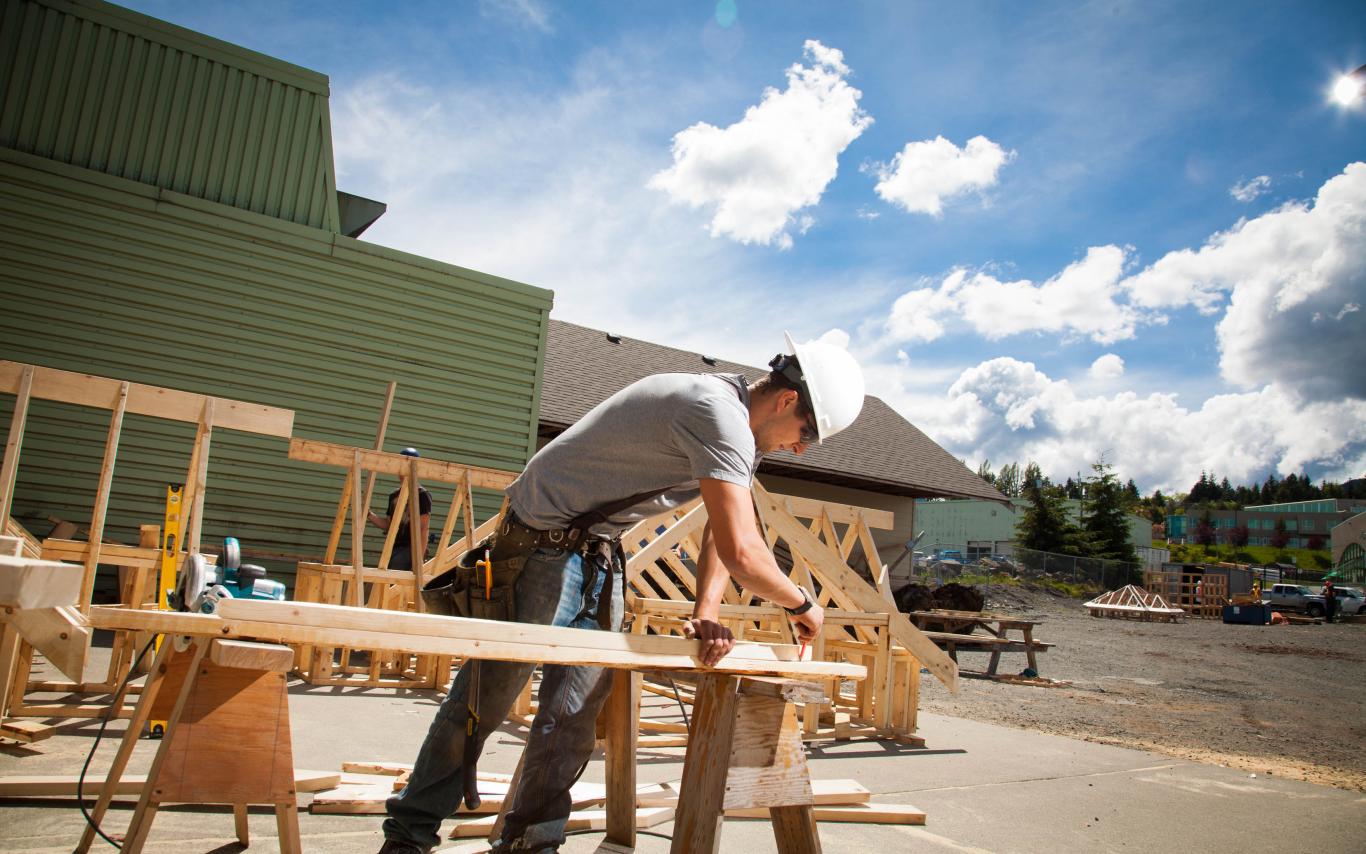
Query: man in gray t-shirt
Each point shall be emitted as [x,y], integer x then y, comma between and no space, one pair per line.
[654,445]
[666,432]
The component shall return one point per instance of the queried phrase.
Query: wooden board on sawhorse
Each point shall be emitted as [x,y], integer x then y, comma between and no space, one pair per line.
[744,752]
[227,737]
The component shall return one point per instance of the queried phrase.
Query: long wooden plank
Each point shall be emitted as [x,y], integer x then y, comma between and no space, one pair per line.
[845,514]
[869,813]
[64,785]
[436,625]
[102,392]
[113,554]
[330,454]
[854,593]
[570,646]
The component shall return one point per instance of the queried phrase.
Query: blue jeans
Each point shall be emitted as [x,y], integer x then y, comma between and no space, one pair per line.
[553,589]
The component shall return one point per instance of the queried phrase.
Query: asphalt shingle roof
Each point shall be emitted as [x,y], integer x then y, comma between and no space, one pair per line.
[881,451]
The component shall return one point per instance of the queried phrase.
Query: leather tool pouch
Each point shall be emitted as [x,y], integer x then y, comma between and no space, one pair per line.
[463,592]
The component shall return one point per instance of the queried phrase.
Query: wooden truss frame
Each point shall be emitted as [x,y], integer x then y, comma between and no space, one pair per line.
[1134,603]
[862,623]
[120,397]
[335,583]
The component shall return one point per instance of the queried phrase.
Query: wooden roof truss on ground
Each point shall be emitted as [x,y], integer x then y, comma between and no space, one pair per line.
[119,397]
[1134,603]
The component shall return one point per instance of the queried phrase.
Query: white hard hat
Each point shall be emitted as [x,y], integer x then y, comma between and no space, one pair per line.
[833,382]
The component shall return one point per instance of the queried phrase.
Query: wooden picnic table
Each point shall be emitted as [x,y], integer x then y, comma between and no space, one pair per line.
[1000,633]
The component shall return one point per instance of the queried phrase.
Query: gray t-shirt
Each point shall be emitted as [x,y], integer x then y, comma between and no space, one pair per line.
[665,431]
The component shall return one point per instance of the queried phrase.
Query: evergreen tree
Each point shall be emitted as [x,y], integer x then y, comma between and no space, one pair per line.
[1104,519]
[1044,526]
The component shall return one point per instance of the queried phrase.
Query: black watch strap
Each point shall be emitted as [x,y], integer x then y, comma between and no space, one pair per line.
[802,608]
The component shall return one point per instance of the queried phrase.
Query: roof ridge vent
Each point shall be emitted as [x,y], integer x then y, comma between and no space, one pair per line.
[710,360]
[615,339]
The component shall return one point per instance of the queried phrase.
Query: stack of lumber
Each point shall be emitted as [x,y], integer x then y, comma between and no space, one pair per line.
[834,800]
[1134,603]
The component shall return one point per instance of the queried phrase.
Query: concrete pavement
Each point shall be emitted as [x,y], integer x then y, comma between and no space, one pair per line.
[985,788]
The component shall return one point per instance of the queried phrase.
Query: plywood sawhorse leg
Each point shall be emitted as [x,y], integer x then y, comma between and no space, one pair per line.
[745,752]
[227,737]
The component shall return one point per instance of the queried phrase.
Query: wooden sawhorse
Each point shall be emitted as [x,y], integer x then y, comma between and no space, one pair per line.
[744,752]
[227,738]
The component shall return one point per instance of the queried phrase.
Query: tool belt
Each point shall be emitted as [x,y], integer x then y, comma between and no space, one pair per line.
[482,584]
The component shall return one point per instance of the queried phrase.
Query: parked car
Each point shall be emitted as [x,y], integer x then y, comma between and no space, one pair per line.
[1294,597]
[949,554]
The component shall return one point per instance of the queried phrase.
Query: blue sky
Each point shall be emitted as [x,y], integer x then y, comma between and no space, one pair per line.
[1050,231]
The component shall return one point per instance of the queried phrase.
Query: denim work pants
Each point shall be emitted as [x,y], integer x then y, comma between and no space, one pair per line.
[553,589]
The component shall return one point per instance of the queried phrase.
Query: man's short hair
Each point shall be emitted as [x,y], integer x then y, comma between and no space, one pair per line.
[776,380]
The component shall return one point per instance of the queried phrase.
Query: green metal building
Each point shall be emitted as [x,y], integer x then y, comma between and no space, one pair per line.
[981,528]
[169,216]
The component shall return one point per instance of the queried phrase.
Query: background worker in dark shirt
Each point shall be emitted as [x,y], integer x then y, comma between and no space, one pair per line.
[402,557]
[1330,600]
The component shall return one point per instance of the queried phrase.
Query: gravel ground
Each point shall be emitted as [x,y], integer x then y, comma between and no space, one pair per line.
[1286,701]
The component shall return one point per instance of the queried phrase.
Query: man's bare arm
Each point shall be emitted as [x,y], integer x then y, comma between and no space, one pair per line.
[742,551]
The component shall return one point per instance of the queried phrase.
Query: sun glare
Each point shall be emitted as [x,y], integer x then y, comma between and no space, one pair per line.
[1347,90]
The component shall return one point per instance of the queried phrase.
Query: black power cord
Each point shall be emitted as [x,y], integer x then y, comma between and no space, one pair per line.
[80,781]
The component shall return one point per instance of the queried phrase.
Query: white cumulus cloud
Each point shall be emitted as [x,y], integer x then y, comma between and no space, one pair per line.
[778,159]
[1252,188]
[1290,284]
[923,174]
[1082,300]
[1295,278]
[1008,410]
[1107,367]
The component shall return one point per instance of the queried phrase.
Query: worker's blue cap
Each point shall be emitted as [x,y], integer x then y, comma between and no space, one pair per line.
[410,452]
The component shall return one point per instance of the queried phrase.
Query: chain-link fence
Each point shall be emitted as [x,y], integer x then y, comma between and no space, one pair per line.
[945,564]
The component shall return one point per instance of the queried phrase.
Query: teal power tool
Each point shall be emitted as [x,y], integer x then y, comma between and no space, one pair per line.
[201,586]
[246,580]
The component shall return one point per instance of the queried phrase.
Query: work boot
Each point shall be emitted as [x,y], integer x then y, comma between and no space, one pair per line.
[394,846]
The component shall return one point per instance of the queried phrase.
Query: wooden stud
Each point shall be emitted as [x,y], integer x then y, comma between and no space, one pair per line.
[794,829]
[623,724]
[379,440]
[357,532]
[23,393]
[697,824]
[111,449]
[239,820]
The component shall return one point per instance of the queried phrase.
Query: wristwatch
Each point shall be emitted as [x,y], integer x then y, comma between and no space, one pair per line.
[807,602]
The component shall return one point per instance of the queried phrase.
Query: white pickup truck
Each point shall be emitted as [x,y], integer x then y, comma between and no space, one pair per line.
[1294,597]
[1298,597]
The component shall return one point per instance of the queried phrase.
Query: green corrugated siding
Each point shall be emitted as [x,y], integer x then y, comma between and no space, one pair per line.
[105,276]
[102,87]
